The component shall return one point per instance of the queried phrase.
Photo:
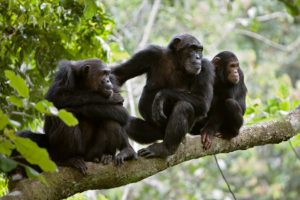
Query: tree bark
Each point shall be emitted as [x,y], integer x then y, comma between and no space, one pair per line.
[69,181]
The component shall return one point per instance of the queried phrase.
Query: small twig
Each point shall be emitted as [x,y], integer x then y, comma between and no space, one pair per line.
[149,25]
[224,178]
[294,150]
[262,39]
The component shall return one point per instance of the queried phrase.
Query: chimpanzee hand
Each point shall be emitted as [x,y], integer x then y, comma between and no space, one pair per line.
[116,98]
[125,154]
[155,150]
[206,137]
[158,108]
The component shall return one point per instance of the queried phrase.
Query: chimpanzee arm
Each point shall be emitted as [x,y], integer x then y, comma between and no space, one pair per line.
[63,97]
[138,64]
[200,96]
[102,112]
[241,96]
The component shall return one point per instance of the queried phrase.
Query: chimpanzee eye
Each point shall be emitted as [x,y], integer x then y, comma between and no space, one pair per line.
[200,48]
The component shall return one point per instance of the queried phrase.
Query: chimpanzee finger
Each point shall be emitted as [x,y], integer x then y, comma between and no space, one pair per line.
[145,153]
[119,160]
[105,159]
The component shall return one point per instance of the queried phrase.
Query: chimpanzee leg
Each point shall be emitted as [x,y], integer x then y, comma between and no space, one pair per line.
[126,150]
[96,146]
[143,132]
[179,123]
[234,111]
[66,145]
[234,119]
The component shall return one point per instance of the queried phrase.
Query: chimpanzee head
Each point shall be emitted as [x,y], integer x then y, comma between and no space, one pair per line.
[89,74]
[188,51]
[227,67]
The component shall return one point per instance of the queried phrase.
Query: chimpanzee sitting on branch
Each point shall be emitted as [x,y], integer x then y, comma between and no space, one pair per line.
[178,91]
[229,101]
[88,90]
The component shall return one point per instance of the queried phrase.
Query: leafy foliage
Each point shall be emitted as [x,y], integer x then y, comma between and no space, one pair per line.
[35,35]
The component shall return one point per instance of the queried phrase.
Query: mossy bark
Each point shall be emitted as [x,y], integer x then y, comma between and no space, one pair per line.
[69,181]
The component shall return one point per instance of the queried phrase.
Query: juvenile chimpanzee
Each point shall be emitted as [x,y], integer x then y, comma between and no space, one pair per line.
[85,88]
[178,90]
[228,106]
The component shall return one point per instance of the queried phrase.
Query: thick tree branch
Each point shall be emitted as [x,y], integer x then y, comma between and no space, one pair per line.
[68,181]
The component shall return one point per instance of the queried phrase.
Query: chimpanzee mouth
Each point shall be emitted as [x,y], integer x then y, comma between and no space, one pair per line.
[108,92]
[198,71]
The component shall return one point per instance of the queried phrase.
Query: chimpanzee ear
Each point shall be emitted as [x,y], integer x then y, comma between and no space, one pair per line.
[216,61]
[85,69]
[174,44]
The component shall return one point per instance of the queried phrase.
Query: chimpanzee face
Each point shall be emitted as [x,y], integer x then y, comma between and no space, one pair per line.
[188,51]
[227,67]
[193,58]
[232,70]
[97,77]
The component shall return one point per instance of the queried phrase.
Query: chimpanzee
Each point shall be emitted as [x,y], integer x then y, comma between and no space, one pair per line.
[178,91]
[228,105]
[86,89]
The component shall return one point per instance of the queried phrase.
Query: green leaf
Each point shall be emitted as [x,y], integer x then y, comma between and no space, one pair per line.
[3,120]
[285,105]
[15,101]
[6,147]
[90,9]
[32,152]
[67,117]
[17,82]
[32,173]
[46,107]
[250,110]
[7,164]
[283,91]
[296,140]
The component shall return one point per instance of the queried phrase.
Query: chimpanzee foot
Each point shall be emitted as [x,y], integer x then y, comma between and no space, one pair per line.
[77,163]
[219,135]
[106,159]
[206,140]
[155,150]
[125,154]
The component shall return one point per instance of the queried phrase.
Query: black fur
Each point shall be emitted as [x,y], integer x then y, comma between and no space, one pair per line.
[175,94]
[88,90]
[228,106]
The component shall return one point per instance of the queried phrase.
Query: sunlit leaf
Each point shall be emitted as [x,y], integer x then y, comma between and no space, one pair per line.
[46,107]
[296,140]
[3,120]
[14,123]
[32,152]
[67,117]
[6,147]
[15,101]
[285,105]
[250,110]
[89,9]
[283,91]
[17,82]
[101,197]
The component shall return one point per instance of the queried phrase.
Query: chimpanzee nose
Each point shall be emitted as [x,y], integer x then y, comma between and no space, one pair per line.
[106,81]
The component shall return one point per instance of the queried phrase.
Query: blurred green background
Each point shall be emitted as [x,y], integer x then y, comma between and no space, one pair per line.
[265,35]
